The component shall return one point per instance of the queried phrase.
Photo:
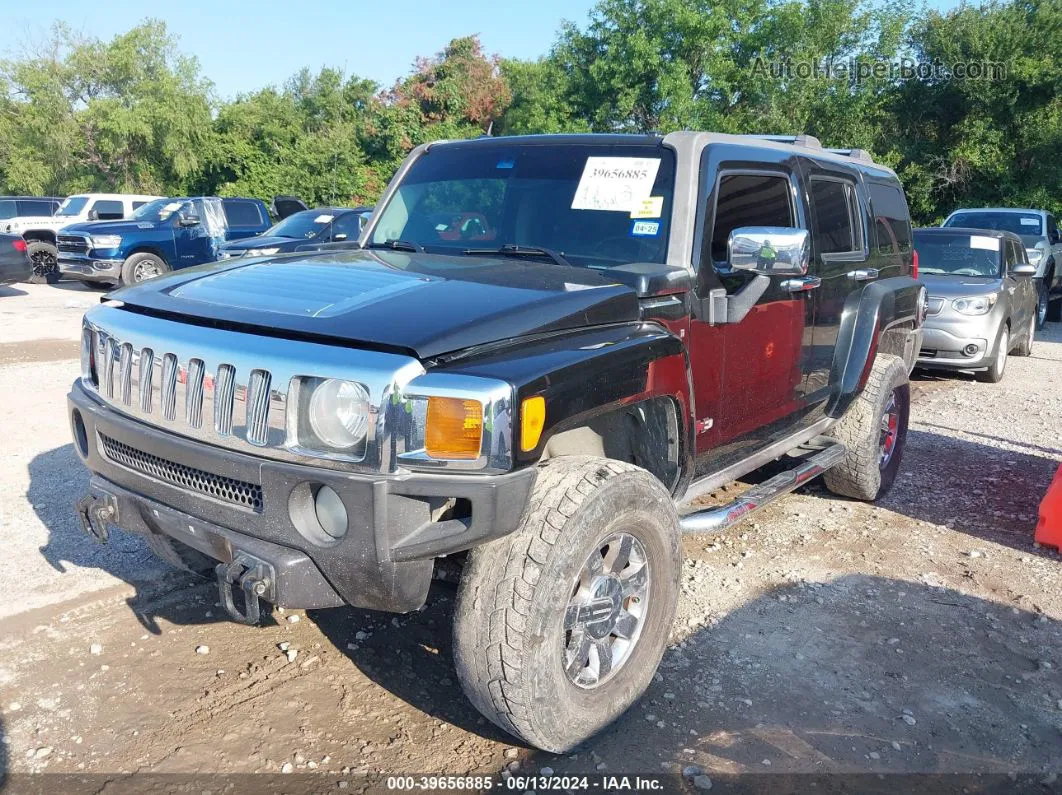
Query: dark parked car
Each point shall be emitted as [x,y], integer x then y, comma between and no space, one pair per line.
[982,299]
[15,263]
[531,399]
[302,231]
[162,236]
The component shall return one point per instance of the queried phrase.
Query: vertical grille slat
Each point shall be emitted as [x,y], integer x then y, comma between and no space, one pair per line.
[110,353]
[125,373]
[193,395]
[168,397]
[258,407]
[224,394]
[144,379]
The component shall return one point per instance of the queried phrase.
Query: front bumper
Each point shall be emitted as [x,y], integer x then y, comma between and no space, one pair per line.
[395,529]
[91,269]
[948,333]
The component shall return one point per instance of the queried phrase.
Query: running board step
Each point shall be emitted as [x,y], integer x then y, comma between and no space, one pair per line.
[724,516]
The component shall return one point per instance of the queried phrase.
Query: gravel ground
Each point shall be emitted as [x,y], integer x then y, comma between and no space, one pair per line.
[921,635]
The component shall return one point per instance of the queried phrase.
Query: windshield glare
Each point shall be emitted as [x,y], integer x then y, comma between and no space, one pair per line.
[72,205]
[1018,223]
[597,204]
[305,224]
[161,209]
[958,254]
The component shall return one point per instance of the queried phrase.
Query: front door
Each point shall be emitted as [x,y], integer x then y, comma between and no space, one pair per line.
[749,367]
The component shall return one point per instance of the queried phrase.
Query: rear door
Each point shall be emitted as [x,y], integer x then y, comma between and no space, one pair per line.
[839,257]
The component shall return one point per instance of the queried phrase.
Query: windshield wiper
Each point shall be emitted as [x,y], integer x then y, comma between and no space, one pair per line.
[398,245]
[512,250]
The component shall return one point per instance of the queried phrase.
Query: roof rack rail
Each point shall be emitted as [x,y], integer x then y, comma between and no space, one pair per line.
[797,140]
[855,154]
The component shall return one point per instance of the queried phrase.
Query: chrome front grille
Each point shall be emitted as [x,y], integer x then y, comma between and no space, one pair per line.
[232,389]
[72,244]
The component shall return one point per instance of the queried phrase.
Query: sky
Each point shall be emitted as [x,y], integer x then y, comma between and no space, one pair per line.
[245,46]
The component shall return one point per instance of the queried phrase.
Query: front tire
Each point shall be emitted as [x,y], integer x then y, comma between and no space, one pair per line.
[994,374]
[141,267]
[874,431]
[560,626]
[45,259]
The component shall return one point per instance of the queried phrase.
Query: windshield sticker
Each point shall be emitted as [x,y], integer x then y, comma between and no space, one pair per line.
[986,243]
[652,207]
[1030,221]
[506,164]
[645,228]
[615,184]
[323,219]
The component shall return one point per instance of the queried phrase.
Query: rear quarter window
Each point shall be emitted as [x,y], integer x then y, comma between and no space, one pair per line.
[892,220]
[243,213]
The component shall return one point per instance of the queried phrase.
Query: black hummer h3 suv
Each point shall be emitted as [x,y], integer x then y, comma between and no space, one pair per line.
[545,350]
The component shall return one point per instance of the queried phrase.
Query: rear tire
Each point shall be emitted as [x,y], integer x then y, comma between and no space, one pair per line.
[1054,310]
[874,431]
[994,374]
[45,259]
[141,267]
[560,626]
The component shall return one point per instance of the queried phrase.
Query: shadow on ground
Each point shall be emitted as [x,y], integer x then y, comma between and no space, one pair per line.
[9,290]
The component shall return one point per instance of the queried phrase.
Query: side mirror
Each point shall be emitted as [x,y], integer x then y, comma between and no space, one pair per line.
[339,238]
[769,249]
[1023,269]
[188,220]
[93,215]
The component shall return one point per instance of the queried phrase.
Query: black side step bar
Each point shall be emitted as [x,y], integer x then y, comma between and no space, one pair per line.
[723,516]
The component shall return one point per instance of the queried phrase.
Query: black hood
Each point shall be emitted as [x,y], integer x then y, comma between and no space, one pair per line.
[423,303]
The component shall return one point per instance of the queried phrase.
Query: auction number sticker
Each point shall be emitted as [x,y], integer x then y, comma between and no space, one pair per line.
[615,184]
[984,242]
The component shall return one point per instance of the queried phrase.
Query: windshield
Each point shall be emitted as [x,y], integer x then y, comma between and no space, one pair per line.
[161,209]
[957,254]
[596,204]
[72,205]
[305,224]
[1018,223]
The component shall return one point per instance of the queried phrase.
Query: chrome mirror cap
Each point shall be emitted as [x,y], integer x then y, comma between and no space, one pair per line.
[769,249]
[1024,270]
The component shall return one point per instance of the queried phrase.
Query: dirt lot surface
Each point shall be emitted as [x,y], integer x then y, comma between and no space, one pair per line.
[822,636]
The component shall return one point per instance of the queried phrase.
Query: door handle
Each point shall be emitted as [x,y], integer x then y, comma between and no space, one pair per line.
[803,284]
[863,274]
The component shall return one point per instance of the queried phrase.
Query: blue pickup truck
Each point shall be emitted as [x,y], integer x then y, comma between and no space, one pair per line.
[163,235]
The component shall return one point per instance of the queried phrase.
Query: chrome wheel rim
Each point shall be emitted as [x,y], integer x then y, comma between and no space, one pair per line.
[146,270]
[607,611]
[1041,308]
[889,431]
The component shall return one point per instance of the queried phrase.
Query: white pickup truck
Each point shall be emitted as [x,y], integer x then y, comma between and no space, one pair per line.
[39,231]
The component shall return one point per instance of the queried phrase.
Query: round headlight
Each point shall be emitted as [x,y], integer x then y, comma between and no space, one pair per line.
[339,413]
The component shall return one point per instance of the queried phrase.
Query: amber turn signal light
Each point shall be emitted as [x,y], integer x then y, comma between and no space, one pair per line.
[454,428]
[532,420]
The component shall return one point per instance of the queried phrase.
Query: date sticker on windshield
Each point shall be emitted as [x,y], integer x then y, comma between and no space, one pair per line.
[645,228]
[986,243]
[652,207]
[615,184]
[1030,221]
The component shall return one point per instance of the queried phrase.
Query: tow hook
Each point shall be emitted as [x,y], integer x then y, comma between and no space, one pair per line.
[253,577]
[94,514]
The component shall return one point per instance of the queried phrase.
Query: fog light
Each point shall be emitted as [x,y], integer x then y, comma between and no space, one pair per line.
[331,513]
[970,349]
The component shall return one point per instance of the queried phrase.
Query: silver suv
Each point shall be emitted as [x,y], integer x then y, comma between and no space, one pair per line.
[1039,234]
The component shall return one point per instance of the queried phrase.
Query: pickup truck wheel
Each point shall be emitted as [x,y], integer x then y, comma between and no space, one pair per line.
[45,259]
[874,430]
[1043,302]
[995,371]
[1054,310]
[141,267]
[560,626]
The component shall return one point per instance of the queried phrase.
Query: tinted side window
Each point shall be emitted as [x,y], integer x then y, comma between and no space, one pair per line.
[242,213]
[749,200]
[8,209]
[138,205]
[835,225]
[35,207]
[892,221]
[1052,229]
[349,225]
[109,210]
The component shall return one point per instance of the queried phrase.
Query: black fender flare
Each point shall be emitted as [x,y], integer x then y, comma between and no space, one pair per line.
[891,308]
